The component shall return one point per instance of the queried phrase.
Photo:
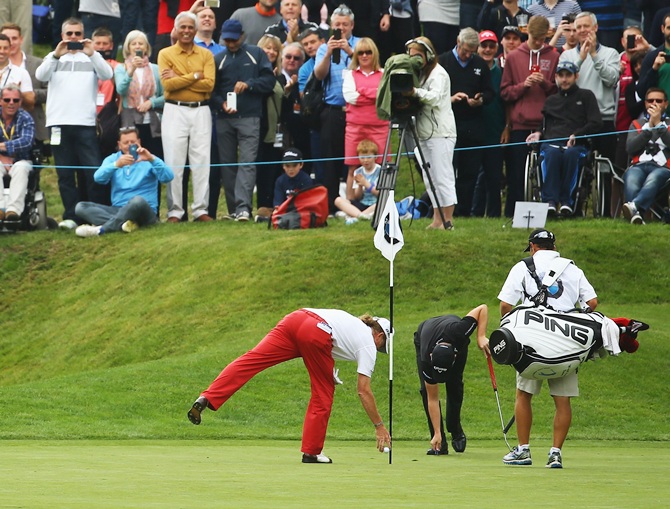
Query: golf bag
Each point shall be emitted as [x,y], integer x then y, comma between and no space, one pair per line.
[306,208]
[541,343]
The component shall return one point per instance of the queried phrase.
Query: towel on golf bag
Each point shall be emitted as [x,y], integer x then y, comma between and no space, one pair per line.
[553,344]
[305,208]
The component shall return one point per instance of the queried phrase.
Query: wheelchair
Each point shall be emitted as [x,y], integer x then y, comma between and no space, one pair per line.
[590,189]
[34,216]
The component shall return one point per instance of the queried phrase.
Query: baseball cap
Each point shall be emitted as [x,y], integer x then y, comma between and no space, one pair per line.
[442,358]
[540,235]
[566,66]
[291,155]
[487,35]
[386,327]
[511,29]
[231,29]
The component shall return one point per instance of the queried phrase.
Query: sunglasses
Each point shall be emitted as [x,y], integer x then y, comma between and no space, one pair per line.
[659,101]
[293,57]
[364,52]
[70,34]
[488,45]
[11,100]
[128,129]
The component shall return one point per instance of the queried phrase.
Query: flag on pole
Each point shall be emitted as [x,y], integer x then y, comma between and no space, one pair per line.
[388,237]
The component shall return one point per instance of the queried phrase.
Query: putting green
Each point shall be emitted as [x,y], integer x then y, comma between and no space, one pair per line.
[247,474]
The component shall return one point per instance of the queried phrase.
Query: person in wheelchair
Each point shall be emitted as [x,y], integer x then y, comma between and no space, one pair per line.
[17,132]
[648,144]
[568,116]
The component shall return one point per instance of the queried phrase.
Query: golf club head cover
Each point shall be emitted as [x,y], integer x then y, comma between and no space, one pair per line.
[629,328]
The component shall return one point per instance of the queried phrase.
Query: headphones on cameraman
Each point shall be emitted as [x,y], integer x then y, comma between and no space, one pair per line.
[430,55]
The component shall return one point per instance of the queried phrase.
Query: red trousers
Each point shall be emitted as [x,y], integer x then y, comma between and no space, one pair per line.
[296,335]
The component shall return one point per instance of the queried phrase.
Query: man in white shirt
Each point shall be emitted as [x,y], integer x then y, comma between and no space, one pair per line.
[14,75]
[73,70]
[319,337]
[569,288]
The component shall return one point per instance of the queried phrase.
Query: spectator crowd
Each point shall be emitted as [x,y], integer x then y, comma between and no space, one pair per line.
[208,95]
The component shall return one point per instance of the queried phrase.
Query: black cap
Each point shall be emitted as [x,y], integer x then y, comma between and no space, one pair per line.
[542,237]
[443,357]
[292,155]
[511,29]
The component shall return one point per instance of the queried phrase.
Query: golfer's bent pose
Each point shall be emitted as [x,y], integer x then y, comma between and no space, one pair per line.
[319,336]
[441,345]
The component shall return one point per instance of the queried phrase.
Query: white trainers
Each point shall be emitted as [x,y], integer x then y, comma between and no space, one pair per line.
[129,226]
[518,456]
[319,458]
[87,230]
[555,460]
[67,224]
[629,210]
[242,217]
[365,217]
[340,214]
[636,219]
[350,220]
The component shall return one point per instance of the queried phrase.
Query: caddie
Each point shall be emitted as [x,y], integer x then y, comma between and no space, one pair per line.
[546,279]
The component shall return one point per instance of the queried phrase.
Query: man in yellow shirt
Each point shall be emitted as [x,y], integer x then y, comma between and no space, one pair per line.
[187,75]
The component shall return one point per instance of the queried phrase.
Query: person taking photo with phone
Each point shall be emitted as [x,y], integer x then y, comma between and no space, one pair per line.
[72,71]
[133,173]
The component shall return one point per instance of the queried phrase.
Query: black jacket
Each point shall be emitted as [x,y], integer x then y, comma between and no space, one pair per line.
[574,111]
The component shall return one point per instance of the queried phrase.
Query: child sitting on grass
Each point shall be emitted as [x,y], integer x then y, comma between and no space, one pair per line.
[365,182]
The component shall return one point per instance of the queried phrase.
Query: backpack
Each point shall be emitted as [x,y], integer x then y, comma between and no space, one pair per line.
[312,102]
[108,123]
[306,208]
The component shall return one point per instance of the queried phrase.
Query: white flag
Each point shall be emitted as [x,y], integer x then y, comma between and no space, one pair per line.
[388,238]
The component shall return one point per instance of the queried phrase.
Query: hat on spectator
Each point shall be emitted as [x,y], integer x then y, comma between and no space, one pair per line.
[487,35]
[231,29]
[511,29]
[566,66]
[292,155]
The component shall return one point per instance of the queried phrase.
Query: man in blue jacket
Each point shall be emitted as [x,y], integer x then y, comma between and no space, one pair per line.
[246,72]
[134,174]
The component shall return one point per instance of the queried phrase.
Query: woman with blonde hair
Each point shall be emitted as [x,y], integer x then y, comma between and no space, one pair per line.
[139,85]
[268,153]
[359,88]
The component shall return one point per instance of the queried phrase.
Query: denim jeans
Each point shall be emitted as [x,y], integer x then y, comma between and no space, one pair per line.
[642,182]
[560,168]
[111,218]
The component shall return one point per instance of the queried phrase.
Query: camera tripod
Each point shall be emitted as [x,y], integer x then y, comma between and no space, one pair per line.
[389,171]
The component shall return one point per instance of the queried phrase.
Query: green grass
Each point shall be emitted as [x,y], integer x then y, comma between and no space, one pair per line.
[107,341]
[229,473]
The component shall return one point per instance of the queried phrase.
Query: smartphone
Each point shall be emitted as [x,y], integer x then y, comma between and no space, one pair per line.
[667,57]
[337,34]
[212,3]
[139,53]
[630,41]
[534,68]
[567,18]
[75,45]
[132,150]
[231,99]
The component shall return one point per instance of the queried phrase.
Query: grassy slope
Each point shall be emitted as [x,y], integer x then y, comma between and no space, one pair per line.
[114,337]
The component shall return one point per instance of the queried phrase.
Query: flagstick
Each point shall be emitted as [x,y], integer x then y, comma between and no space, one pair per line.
[392,232]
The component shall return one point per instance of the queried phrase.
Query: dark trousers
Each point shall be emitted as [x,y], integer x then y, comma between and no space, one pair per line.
[78,147]
[268,171]
[441,35]
[333,123]
[467,163]
[515,167]
[454,398]
[486,199]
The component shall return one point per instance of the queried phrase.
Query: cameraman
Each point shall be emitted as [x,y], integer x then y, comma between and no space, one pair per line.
[437,131]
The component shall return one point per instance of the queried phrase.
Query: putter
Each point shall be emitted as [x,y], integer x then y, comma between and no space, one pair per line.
[505,429]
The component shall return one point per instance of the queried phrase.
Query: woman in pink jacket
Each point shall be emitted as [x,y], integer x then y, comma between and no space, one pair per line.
[359,87]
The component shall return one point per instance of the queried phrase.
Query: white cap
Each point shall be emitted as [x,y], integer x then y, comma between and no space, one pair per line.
[386,327]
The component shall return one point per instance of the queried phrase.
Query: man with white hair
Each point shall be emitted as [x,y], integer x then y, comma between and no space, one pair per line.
[599,70]
[187,74]
[470,90]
